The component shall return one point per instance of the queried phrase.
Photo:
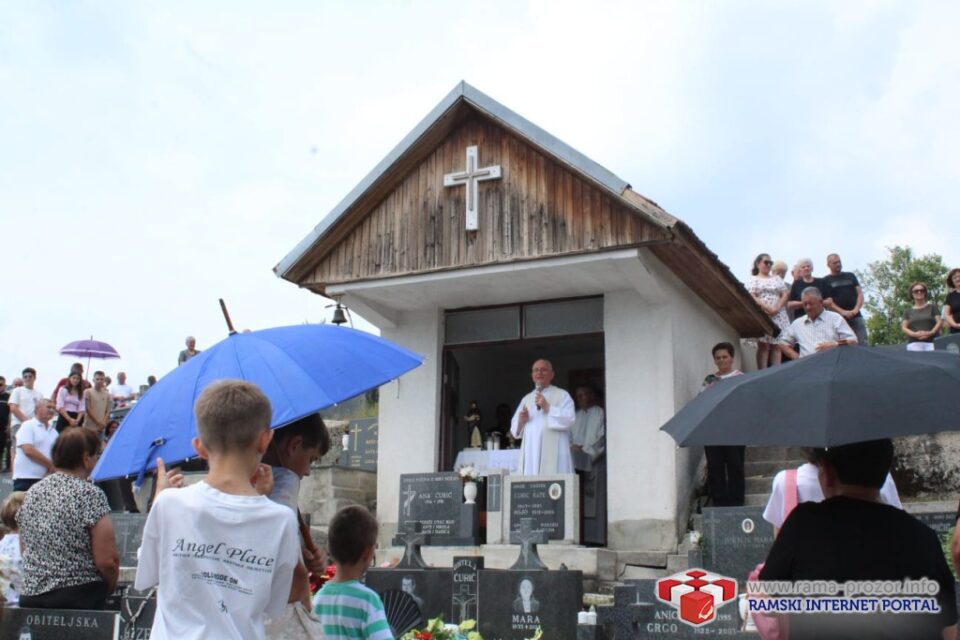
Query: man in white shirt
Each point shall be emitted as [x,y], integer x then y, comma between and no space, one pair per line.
[34,447]
[818,330]
[23,401]
[543,419]
[588,449]
[121,391]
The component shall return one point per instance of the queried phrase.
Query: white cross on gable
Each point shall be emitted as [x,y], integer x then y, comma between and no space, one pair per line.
[471,177]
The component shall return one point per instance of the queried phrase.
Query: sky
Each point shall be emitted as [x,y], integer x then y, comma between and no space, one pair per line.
[157,156]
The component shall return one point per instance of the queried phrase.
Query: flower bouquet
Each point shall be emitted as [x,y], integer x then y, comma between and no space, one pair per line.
[437,630]
[468,473]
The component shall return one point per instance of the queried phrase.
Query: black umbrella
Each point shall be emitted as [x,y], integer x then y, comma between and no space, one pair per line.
[844,395]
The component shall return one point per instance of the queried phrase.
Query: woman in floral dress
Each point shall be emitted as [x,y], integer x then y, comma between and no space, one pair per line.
[771,294]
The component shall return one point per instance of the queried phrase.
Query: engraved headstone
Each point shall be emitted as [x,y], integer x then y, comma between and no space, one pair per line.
[514,604]
[528,538]
[431,589]
[137,609]
[735,541]
[552,502]
[59,624]
[637,613]
[434,501]
[128,528]
[495,513]
[361,452]
[6,486]
[466,582]
[412,538]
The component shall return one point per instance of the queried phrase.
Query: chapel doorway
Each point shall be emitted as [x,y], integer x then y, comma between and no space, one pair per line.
[487,357]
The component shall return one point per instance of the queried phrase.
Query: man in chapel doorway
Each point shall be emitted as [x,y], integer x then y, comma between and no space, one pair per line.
[588,449]
[543,420]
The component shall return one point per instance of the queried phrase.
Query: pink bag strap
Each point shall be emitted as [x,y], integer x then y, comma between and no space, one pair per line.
[791,496]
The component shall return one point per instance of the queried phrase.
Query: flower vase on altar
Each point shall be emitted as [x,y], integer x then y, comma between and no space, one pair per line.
[470,492]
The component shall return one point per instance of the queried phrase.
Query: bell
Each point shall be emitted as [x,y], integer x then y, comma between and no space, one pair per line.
[339,317]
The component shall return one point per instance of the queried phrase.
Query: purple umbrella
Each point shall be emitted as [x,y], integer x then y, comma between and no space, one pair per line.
[90,349]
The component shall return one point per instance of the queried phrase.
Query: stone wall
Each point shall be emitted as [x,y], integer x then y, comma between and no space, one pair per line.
[927,466]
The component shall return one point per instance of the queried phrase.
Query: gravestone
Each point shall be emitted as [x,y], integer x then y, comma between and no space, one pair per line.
[128,527]
[411,539]
[735,541]
[6,486]
[636,613]
[466,584]
[137,609]
[495,513]
[431,589]
[434,502]
[361,452]
[551,502]
[59,624]
[942,522]
[513,604]
[528,539]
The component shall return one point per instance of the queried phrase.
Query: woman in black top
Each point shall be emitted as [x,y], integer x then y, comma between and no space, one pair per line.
[951,306]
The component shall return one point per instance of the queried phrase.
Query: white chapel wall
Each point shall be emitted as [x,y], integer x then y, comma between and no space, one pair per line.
[409,413]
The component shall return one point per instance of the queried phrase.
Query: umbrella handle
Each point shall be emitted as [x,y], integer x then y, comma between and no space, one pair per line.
[226,316]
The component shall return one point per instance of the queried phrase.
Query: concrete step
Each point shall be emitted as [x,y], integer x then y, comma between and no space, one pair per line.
[756,499]
[759,484]
[768,468]
[642,558]
[630,572]
[761,454]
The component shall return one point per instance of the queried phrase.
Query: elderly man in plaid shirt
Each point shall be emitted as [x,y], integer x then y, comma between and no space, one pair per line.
[819,330]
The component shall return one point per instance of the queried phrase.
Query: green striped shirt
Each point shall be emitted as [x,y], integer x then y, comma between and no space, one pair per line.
[350,610]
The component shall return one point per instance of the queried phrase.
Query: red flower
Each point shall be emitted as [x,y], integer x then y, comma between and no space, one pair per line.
[423,635]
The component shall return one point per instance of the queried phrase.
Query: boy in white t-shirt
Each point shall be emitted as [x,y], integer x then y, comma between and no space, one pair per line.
[222,555]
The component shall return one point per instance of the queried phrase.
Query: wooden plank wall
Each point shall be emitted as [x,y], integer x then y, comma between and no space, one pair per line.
[538,208]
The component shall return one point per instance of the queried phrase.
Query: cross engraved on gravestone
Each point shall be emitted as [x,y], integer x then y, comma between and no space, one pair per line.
[410,495]
[464,599]
[471,178]
[412,538]
[355,431]
[626,614]
[528,539]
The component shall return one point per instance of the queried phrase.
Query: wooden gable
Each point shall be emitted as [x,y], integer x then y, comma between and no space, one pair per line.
[550,200]
[538,208]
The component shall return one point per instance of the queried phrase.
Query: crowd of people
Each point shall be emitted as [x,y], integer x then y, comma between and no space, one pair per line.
[816,313]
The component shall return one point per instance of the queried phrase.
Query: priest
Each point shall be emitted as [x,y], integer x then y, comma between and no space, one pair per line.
[543,420]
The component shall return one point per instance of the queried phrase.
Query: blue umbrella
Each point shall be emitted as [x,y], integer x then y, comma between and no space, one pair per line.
[302,369]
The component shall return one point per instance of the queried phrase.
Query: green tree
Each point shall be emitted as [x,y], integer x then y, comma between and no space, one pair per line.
[886,290]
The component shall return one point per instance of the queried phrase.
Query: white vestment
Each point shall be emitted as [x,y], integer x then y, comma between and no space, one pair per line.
[589,431]
[546,436]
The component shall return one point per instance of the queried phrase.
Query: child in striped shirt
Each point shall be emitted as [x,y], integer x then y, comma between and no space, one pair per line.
[347,608]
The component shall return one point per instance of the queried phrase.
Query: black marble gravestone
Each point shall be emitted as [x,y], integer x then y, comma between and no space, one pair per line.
[431,589]
[513,604]
[636,613]
[128,528]
[411,538]
[942,522]
[137,609]
[540,501]
[59,624]
[528,538]
[434,502]
[466,582]
[362,450]
[735,541]
[6,486]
